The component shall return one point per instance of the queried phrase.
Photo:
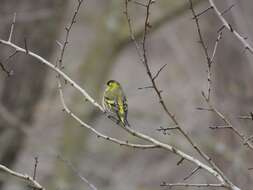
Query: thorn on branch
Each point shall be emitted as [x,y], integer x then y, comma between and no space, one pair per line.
[165,130]
[230,28]
[159,71]
[220,127]
[221,28]
[36,162]
[145,87]
[202,12]
[250,138]
[140,4]
[192,173]
[250,116]
[228,9]
[205,109]
[12,27]
[26,46]
[180,161]
[8,73]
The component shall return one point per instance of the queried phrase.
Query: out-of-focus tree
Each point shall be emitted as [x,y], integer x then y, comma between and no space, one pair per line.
[38,22]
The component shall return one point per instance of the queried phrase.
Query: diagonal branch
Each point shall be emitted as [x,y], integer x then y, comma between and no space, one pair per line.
[246,45]
[58,71]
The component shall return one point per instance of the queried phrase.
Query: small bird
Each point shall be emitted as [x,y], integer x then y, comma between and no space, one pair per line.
[115,102]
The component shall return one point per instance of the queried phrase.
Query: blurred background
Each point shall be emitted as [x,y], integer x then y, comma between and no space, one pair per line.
[32,123]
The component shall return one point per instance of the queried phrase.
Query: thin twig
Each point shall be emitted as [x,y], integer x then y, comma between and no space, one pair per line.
[145,87]
[12,27]
[68,29]
[220,127]
[180,161]
[247,117]
[203,12]
[192,173]
[159,71]
[216,45]
[36,162]
[204,47]
[228,9]
[76,172]
[170,185]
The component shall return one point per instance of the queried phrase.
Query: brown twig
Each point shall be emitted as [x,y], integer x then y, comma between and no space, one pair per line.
[204,47]
[68,29]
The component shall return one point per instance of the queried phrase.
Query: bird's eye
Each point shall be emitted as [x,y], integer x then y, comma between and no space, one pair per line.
[109,83]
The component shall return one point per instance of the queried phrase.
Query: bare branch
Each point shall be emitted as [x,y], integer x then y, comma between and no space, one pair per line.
[58,71]
[143,57]
[204,47]
[68,29]
[246,45]
[28,179]
[228,124]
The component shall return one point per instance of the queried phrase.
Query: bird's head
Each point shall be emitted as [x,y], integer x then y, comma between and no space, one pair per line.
[113,84]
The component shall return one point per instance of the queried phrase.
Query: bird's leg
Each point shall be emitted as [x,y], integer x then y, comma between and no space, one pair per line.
[113,119]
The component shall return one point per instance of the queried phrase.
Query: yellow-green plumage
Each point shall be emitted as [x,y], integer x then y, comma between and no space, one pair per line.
[114,101]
